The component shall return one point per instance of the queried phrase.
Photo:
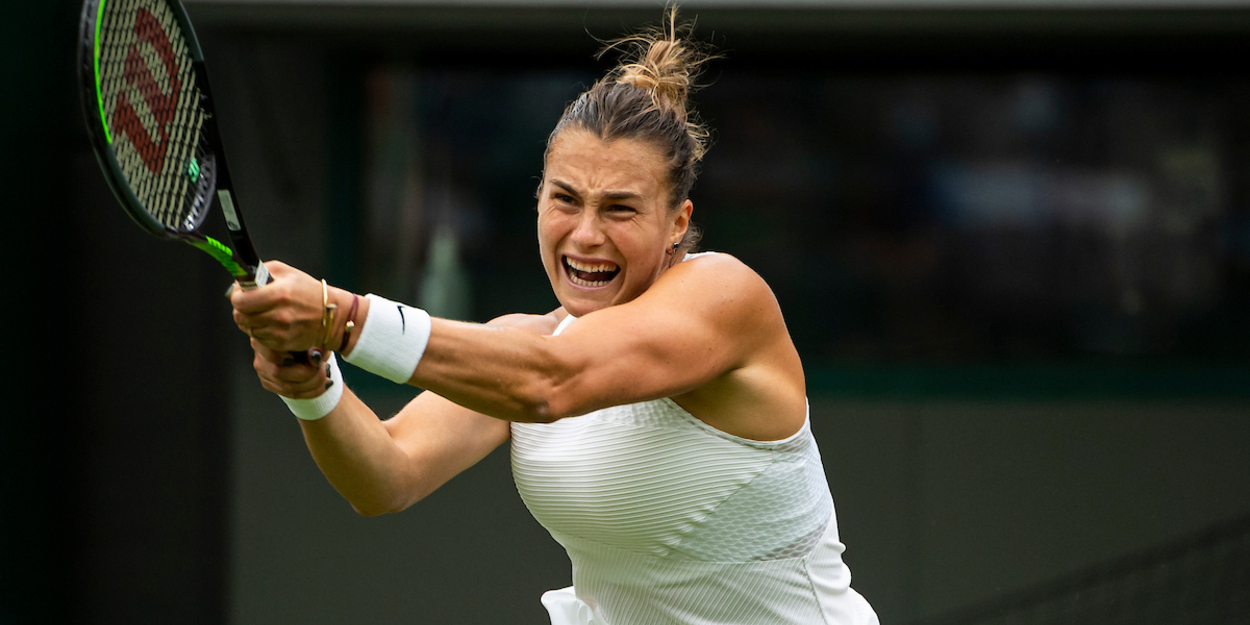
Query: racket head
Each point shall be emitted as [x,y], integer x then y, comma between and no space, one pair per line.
[139,66]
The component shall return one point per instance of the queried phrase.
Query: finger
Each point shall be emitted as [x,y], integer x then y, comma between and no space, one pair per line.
[296,375]
[312,388]
[278,269]
[271,355]
[288,365]
[306,390]
[254,301]
[276,341]
[291,307]
[274,329]
[299,382]
[262,299]
[256,322]
[241,321]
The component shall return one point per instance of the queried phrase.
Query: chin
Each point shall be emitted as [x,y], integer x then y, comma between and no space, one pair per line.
[580,306]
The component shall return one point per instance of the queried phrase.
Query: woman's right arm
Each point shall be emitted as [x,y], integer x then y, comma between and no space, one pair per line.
[386,466]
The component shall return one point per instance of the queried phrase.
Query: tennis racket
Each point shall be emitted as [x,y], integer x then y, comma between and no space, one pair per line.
[150,115]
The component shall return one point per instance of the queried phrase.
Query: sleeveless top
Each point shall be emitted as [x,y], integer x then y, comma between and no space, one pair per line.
[668,520]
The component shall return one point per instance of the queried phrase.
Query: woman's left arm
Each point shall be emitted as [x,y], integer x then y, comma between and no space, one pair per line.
[701,320]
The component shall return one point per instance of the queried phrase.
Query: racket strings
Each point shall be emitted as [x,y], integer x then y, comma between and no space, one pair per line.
[151,106]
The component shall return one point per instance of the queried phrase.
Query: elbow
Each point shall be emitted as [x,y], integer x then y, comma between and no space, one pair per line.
[541,412]
[370,511]
[380,506]
[534,407]
[535,401]
[373,509]
[555,390]
[552,402]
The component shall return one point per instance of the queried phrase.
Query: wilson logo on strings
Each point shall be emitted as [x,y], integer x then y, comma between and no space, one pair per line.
[162,104]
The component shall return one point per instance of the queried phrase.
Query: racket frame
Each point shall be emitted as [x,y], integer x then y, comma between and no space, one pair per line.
[242,261]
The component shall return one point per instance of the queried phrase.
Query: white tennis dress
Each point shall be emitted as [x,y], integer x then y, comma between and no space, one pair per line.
[668,520]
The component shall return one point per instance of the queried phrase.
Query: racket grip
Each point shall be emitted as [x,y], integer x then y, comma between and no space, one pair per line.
[259,277]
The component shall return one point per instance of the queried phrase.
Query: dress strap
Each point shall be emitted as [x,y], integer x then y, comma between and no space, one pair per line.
[564,323]
[566,609]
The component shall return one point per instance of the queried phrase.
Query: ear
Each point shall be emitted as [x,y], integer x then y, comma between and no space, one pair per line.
[681,221]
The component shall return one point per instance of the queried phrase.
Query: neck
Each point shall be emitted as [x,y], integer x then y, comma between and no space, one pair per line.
[677,257]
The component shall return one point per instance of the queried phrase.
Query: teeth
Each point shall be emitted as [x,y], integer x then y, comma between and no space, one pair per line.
[576,270]
[588,283]
[590,268]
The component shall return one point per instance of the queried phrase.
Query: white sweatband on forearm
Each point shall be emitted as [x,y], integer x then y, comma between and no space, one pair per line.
[392,341]
[320,406]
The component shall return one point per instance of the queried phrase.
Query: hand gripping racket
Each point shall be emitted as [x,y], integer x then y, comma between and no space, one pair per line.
[151,119]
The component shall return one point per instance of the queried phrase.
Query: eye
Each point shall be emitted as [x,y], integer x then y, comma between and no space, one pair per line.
[621,210]
[563,201]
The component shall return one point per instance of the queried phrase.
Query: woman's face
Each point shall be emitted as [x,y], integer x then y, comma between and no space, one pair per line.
[605,230]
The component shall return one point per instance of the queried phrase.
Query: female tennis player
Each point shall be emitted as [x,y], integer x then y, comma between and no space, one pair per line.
[658,418]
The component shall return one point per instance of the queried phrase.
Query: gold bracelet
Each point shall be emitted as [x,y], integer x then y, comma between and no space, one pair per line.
[327,314]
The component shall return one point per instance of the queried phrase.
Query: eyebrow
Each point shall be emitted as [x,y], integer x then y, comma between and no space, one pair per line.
[611,195]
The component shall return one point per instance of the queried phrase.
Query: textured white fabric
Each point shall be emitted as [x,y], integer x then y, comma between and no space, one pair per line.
[668,520]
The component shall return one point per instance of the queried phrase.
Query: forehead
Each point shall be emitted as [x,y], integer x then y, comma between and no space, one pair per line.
[581,158]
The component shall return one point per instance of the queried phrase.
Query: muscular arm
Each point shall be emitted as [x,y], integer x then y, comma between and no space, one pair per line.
[386,466]
[702,321]
[707,333]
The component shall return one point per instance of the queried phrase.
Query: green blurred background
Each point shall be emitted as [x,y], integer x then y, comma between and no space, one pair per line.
[1011,240]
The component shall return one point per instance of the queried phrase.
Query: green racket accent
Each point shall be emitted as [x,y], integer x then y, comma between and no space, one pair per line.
[99,96]
[193,170]
[222,254]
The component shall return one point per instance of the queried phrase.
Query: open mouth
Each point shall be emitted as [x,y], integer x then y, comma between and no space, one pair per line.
[590,274]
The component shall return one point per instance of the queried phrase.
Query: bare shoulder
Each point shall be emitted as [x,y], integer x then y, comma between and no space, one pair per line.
[720,270]
[762,395]
[718,260]
[724,280]
[538,324]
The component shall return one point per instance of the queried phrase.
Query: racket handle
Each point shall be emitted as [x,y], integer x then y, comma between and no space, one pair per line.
[260,277]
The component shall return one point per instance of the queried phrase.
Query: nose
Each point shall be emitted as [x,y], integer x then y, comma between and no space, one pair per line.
[589,232]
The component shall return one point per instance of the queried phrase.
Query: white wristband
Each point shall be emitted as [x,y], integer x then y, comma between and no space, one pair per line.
[321,405]
[392,341]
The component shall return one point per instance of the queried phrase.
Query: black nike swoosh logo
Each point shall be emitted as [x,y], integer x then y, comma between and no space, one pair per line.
[403,323]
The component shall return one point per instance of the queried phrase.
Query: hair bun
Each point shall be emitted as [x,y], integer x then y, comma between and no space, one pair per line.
[662,62]
[663,70]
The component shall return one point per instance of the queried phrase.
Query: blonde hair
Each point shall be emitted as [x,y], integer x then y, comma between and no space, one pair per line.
[647,98]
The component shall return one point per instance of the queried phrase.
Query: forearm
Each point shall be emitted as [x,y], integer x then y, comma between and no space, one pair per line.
[358,456]
[503,372]
[499,369]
